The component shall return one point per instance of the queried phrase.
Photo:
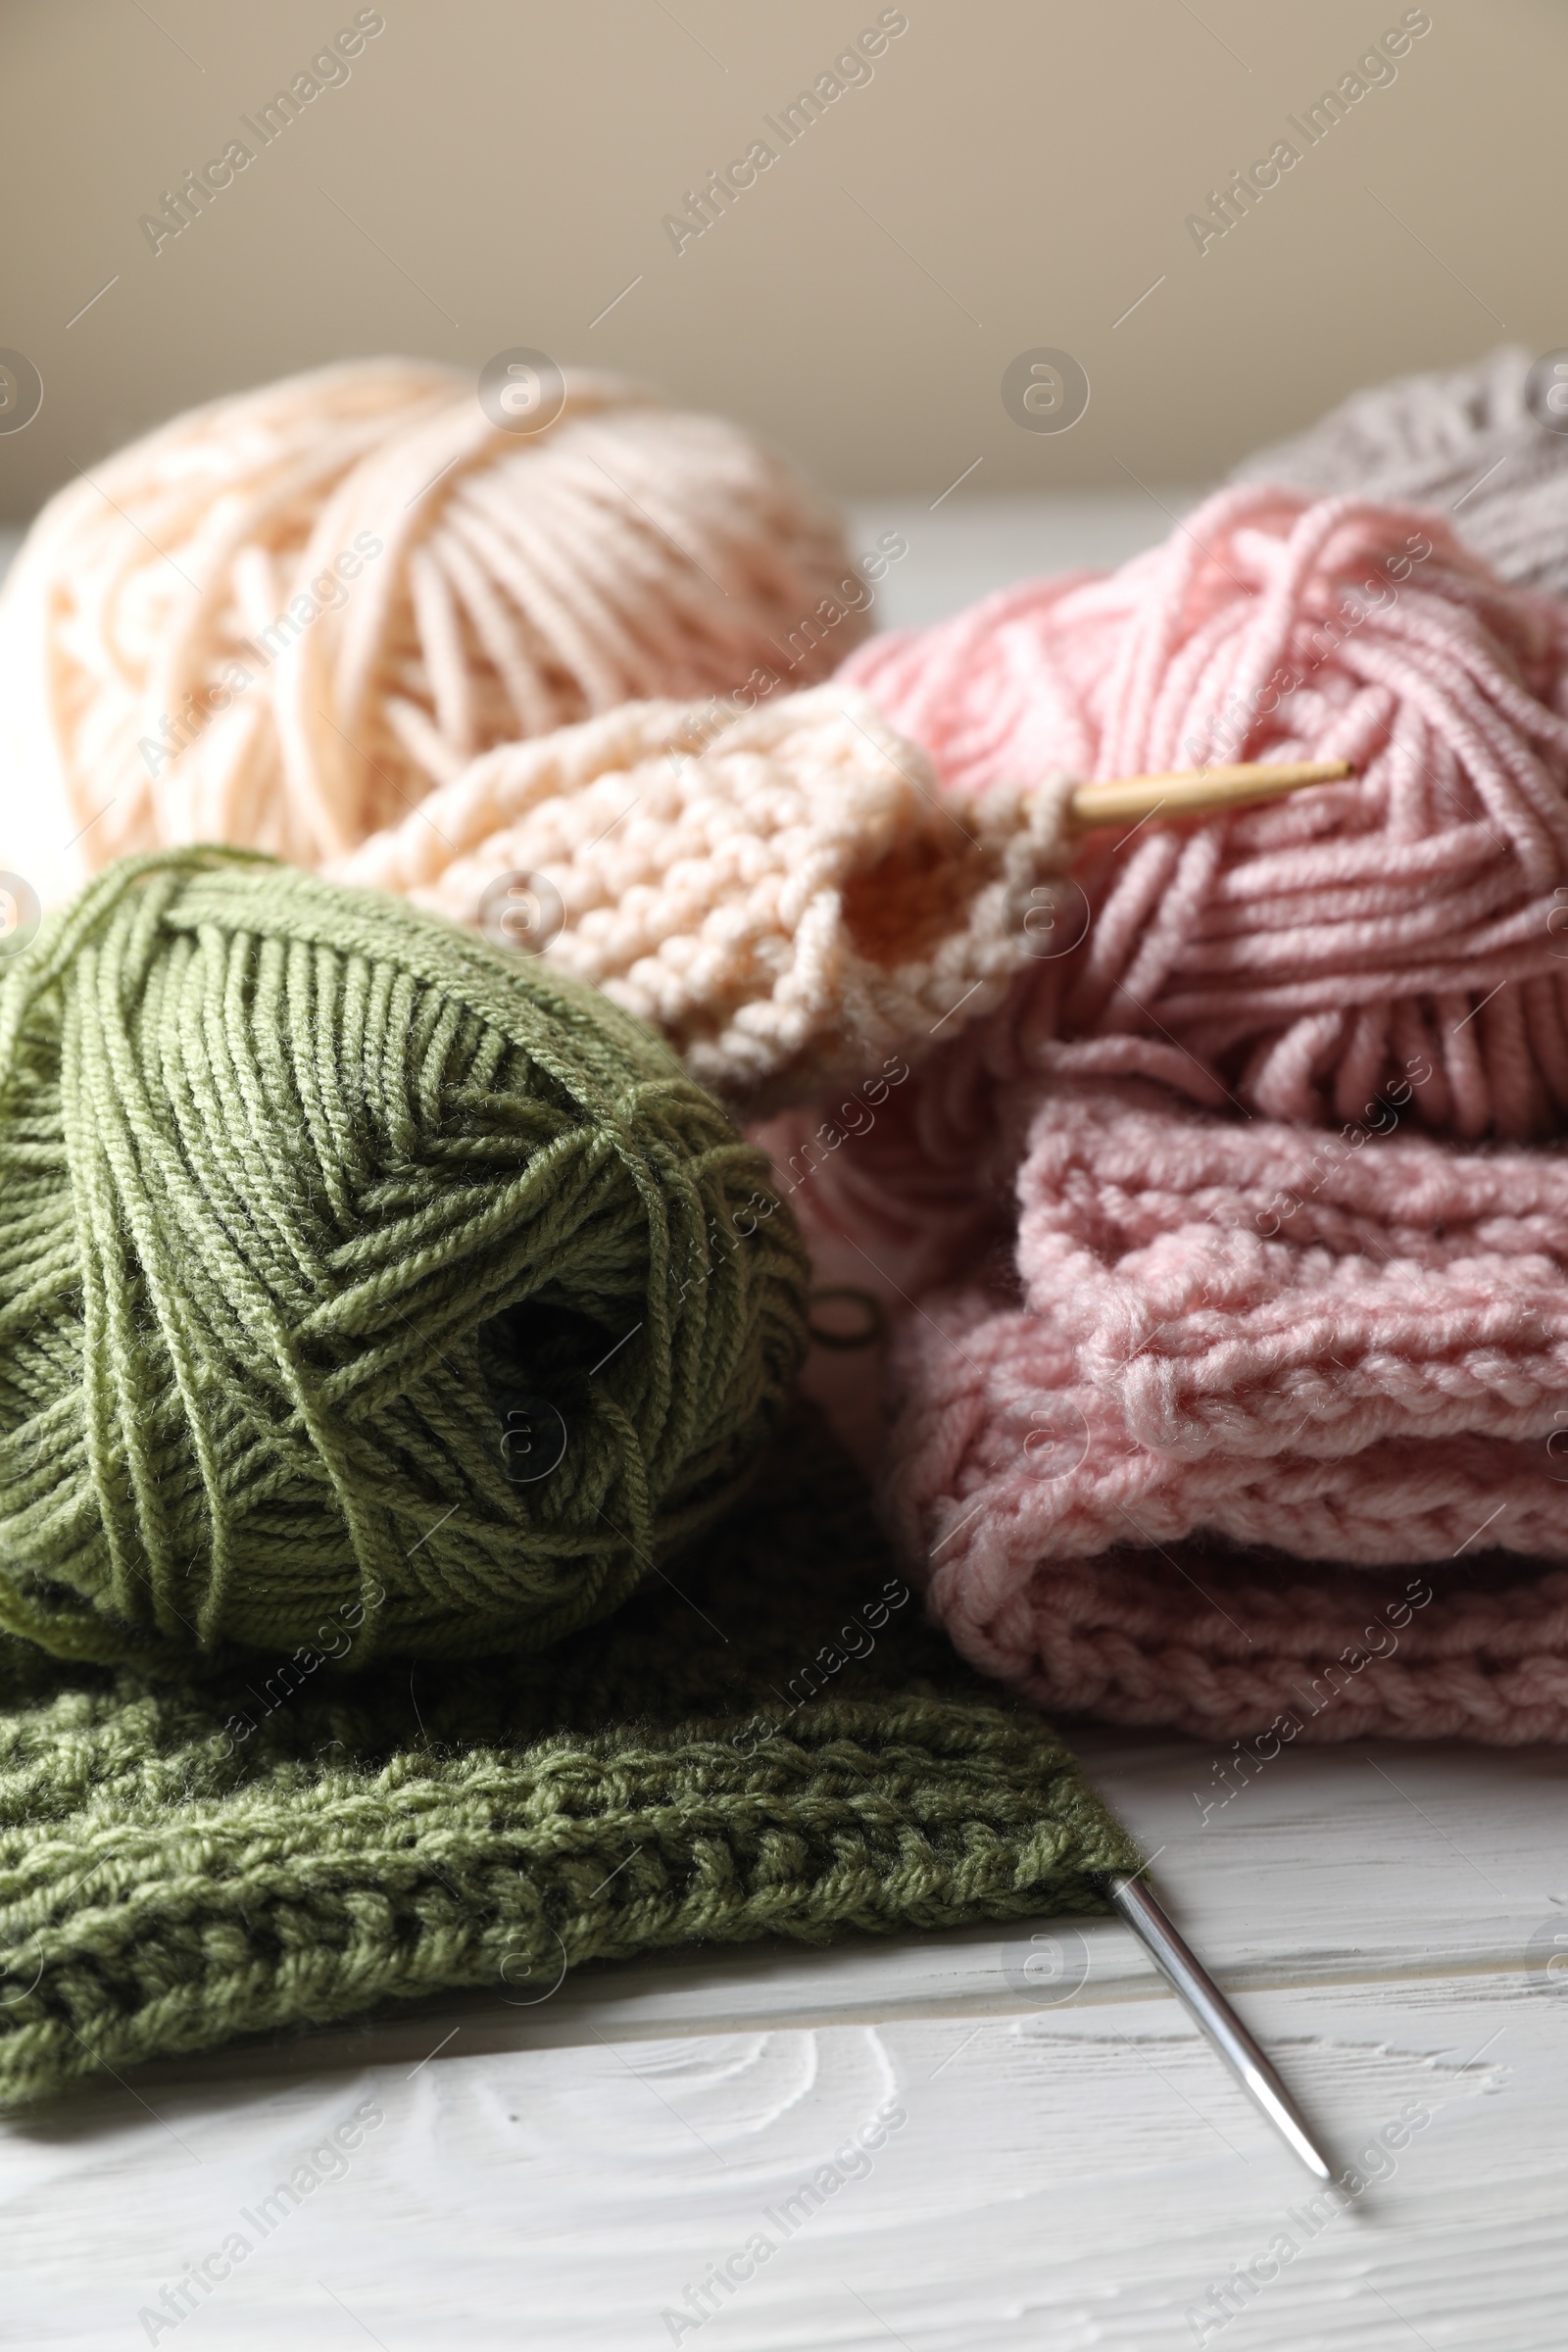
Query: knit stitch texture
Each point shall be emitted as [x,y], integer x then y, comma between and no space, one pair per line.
[1247,1646]
[1353,1352]
[776,1747]
[783,895]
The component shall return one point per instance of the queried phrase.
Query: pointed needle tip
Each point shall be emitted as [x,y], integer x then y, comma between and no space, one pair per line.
[1211,2012]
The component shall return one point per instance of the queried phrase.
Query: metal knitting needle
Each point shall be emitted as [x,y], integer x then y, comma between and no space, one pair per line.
[1198,791]
[1215,2019]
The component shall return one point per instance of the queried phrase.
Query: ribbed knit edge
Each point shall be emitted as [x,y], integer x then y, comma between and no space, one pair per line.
[771,1744]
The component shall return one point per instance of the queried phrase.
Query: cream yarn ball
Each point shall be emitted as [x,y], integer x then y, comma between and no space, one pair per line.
[285,617]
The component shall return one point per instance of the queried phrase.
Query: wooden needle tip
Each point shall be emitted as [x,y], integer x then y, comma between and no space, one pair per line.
[1198,791]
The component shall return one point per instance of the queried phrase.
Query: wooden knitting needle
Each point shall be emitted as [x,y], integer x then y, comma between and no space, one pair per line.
[1198,791]
[1216,2020]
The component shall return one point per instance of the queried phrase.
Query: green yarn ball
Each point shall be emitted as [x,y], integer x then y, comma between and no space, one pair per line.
[364,1288]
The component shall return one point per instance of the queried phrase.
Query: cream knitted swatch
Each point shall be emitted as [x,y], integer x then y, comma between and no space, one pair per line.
[786,895]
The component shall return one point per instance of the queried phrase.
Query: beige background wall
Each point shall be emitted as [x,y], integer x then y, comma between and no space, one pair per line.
[1015,173]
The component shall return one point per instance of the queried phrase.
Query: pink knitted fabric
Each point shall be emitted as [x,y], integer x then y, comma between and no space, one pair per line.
[1347,1351]
[1296,958]
[928,1187]
[1269,1652]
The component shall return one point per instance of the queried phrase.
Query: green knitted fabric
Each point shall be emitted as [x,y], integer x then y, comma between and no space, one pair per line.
[317,1213]
[770,1742]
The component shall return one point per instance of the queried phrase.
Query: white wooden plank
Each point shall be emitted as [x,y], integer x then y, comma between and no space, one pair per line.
[1077,2177]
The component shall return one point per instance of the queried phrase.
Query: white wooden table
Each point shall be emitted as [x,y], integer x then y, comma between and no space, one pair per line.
[1065,2176]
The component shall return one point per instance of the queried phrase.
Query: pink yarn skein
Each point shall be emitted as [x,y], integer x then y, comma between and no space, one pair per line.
[1293,959]
[1355,1353]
